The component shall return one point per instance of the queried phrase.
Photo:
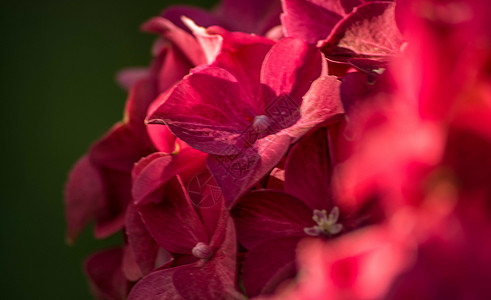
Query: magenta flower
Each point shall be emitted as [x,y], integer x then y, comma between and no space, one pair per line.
[246,113]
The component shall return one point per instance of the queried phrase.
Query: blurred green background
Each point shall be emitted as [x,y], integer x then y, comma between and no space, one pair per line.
[58,62]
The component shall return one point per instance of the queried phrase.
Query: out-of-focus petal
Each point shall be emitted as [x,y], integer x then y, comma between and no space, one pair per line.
[84,197]
[106,277]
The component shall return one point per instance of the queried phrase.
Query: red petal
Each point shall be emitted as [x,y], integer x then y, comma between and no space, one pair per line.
[206,109]
[253,16]
[237,174]
[173,222]
[266,214]
[369,31]
[151,172]
[180,38]
[84,197]
[143,246]
[310,21]
[130,267]
[290,68]
[321,104]
[128,77]
[141,95]
[243,58]
[106,277]
[174,67]
[214,279]
[198,15]
[307,171]
[269,264]
[120,149]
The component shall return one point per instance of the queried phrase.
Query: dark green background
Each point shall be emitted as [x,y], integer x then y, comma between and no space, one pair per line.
[58,95]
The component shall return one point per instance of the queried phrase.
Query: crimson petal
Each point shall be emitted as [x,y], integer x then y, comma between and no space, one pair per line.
[307,171]
[173,222]
[151,172]
[369,31]
[105,274]
[140,241]
[308,20]
[269,264]
[84,197]
[290,68]
[178,37]
[266,214]
[213,279]
[235,174]
[206,109]
[321,104]
[253,16]
[200,16]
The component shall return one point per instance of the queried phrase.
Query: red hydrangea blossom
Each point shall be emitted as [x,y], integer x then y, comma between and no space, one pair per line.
[246,112]
[298,149]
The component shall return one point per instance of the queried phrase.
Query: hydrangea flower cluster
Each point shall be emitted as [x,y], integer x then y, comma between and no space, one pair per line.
[298,149]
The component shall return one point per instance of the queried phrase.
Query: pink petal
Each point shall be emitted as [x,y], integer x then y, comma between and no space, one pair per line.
[142,93]
[276,179]
[198,15]
[355,88]
[361,265]
[173,222]
[369,31]
[213,279]
[163,139]
[308,20]
[254,16]
[106,277]
[84,197]
[117,187]
[151,172]
[290,68]
[130,267]
[114,156]
[210,43]
[243,56]
[174,65]
[265,214]
[269,264]
[180,38]
[206,109]
[308,171]
[128,77]
[142,245]
[120,148]
[207,197]
[320,104]
[236,174]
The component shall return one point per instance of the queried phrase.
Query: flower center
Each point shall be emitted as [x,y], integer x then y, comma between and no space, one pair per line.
[261,123]
[326,224]
[202,250]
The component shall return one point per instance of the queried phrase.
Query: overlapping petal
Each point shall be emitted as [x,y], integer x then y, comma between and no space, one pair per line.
[265,215]
[369,31]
